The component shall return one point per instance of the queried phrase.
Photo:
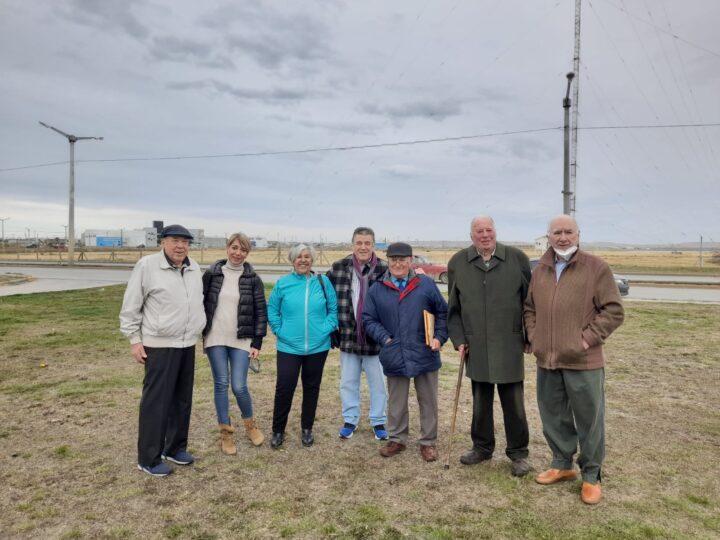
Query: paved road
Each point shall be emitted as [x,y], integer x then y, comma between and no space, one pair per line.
[713,280]
[59,278]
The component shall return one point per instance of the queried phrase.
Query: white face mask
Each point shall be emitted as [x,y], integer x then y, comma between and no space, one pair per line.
[565,253]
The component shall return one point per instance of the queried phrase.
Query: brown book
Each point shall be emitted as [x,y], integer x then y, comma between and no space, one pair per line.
[429,320]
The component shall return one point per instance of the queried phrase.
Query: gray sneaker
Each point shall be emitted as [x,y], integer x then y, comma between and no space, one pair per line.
[520,467]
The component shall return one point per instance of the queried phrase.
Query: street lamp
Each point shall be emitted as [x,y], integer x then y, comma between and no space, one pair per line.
[72,139]
[567,194]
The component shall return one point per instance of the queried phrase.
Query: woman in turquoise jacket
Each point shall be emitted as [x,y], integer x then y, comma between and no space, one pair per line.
[302,312]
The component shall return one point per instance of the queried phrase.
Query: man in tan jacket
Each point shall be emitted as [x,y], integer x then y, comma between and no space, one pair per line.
[572,306]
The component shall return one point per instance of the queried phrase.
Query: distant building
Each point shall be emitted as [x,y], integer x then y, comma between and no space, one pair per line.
[215,242]
[259,242]
[542,243]
[133,238]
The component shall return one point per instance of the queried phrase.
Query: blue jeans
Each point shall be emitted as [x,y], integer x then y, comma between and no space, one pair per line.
[230,364]
[351,367]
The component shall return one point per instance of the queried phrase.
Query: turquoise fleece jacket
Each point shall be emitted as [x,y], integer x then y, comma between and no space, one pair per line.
[299,316]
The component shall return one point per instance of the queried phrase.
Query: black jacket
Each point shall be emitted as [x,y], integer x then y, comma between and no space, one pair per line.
[252,309]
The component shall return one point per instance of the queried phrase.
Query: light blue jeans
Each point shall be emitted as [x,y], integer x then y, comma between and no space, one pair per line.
[351,367]
[229,364]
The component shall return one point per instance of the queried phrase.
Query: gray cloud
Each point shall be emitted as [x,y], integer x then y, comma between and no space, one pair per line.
[531,149]
[178,49]
[107,16]
[272,38]
[175,49]
[435,110]
[273,95]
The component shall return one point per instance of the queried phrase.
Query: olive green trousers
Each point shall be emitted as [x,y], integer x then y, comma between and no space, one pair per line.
[572,410]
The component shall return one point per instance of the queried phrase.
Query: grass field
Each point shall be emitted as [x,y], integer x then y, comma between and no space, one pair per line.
[637,261]
[69,392]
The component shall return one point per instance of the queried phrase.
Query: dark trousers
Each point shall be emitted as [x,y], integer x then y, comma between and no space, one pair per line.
[166,403]
[289,368]
[482,431]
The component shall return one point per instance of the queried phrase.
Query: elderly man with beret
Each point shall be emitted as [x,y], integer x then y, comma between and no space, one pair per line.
[393,317]
[162,315]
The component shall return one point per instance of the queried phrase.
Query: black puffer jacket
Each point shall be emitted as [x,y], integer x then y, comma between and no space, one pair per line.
[252,309]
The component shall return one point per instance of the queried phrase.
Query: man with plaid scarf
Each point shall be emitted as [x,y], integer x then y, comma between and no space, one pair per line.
[352,276]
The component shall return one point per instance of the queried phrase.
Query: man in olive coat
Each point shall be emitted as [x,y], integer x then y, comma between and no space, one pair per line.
[488,283]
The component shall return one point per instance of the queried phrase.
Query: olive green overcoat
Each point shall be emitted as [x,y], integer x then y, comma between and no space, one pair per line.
[485,311]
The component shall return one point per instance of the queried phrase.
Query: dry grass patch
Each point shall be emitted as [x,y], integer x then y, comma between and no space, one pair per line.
[69,429]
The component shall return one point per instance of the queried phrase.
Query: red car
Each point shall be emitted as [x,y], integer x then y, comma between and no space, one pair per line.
[436,271]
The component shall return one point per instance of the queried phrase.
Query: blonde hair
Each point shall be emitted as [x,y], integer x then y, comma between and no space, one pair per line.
[242,239]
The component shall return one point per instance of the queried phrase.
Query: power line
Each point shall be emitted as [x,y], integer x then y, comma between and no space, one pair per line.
[364,146]
[670,33]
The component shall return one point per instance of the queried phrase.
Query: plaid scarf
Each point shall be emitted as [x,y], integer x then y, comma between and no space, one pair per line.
[363,277]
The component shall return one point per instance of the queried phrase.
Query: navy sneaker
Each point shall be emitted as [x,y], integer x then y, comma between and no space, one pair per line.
[380,433]
[347,430]
[181,458]
[161,469]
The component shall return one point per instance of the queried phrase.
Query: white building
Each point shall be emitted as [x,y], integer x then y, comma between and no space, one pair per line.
[542,243]
[146,237]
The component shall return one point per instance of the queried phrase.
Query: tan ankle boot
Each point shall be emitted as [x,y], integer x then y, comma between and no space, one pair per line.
[227,444]
[253,433]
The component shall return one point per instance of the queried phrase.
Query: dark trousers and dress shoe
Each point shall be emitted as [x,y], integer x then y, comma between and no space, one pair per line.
[277,440]
[307,437]
[482,429]
[474,456]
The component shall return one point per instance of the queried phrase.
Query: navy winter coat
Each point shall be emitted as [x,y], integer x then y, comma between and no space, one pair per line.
[389,313]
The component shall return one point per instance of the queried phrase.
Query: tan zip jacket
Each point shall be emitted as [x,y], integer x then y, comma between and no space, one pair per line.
[163,307]
[584,304]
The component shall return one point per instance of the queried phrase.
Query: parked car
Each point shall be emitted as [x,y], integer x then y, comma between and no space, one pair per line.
[437,271]
[622,282]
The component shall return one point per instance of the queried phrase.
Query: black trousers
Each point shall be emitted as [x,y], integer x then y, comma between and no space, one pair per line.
[166,403]
[289,367]
[482,431]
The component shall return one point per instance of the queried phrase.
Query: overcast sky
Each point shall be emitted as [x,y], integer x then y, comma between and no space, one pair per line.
[187,78]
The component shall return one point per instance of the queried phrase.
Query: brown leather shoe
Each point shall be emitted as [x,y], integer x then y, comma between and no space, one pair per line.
[428,453]
[552,476]
[591,493]
[391,449]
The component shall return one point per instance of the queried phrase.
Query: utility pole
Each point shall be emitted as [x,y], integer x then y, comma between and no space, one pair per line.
[72,139]
[3,220]
[701,252]
[568,194]
[65,226]
[575,104]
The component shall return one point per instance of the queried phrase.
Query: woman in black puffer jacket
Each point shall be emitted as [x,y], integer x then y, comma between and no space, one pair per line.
[236,313]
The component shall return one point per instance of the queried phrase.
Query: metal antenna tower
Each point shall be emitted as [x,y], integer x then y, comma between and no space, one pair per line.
[575,103]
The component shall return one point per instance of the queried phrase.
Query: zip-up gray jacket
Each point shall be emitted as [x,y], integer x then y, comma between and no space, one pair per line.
[163,306]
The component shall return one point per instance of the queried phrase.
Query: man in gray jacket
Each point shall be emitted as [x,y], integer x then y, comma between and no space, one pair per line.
[488,282]
[162,315]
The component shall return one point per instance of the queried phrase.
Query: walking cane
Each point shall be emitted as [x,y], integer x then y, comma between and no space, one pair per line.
[455,408]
